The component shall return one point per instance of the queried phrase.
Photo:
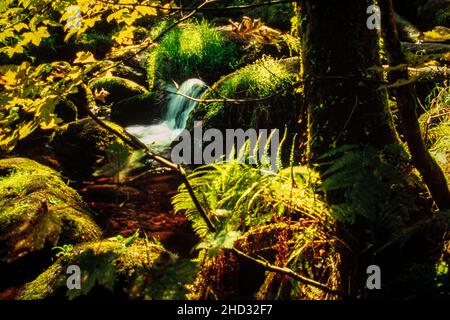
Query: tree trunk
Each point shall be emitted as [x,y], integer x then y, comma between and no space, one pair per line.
[341,63]
[344,102]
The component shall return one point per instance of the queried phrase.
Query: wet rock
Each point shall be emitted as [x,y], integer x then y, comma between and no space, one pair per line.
[145,108]
[80,146]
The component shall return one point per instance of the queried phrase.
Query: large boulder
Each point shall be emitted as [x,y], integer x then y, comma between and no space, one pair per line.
[38,207]
[37,211]
[81,145]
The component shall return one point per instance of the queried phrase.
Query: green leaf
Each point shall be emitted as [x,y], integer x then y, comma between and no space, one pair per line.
[214,243]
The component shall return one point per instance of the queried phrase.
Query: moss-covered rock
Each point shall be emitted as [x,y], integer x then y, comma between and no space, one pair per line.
[191,50]
[118,88]
[132,268]
[142,109]
[264,78]
[37,208]
[80,146]
[273,104]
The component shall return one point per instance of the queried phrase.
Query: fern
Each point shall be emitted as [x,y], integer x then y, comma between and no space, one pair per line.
[376,187]
[238,196]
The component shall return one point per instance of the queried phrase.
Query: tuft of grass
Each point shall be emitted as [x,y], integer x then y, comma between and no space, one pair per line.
[435,124]
[191,50]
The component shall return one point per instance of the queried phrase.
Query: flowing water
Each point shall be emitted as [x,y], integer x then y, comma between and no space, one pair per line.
[174,118]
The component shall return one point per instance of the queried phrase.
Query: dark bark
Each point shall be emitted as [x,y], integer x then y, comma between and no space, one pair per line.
[343,98]
[406,103]
[344,102]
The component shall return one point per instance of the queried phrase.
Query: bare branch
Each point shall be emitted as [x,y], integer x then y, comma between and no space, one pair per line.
[290,273]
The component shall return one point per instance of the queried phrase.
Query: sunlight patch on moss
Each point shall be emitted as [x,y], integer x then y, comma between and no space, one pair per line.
[37,208]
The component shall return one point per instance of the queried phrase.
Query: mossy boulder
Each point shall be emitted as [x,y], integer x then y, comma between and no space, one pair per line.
[142,109]
[37,208]
[191,50]
[130,268]
[118,88]
[273,103]
[264,78]
[80,146]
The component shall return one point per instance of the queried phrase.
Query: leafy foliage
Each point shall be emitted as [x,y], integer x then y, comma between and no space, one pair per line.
[31,92]
[213,243]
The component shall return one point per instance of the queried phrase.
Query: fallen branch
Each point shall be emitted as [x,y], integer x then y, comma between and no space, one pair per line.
[290,273]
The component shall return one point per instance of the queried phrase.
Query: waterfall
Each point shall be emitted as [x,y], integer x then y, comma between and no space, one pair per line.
[179,107]
[175,115]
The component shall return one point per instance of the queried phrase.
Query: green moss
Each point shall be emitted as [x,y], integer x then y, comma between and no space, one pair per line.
[79,146]
[263,78]
[118,88]
[191,50]
[114,259]
[37,207]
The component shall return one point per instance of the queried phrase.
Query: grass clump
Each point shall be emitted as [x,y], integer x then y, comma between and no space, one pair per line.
[435,124]
[191,50]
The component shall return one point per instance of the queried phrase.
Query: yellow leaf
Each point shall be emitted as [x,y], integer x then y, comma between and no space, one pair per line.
[116,15]
[10,77]
[146,11]
[26,129]
[84,58]
[51,124]
[18,27]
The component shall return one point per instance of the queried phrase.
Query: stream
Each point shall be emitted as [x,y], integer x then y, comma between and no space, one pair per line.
[174,118]
[145,204]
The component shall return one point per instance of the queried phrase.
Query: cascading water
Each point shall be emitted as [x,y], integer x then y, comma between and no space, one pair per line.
[175,117]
